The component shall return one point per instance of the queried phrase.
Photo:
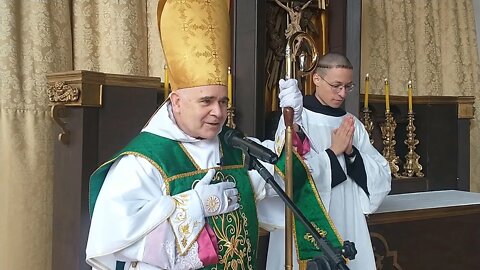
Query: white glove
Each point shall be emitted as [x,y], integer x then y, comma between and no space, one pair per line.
[217,198]
[290,96]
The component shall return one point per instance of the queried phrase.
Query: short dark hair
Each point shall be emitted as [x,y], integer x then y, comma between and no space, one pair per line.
[332,60]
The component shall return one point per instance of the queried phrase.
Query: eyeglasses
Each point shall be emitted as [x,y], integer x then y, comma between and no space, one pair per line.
[338,87]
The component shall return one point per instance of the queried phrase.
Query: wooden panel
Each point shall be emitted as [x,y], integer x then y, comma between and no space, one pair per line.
[124,113]
[430,230]
[337,29]
[248,66]
[411,184]
[443,135]
[451,242]
[73,165]
[96,134]
[353,51]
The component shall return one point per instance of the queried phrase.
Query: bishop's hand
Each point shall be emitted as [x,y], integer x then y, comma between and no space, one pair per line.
[290,96]
[219,198]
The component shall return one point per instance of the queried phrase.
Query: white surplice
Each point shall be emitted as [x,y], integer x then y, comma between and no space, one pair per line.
[133,210]
[347,203]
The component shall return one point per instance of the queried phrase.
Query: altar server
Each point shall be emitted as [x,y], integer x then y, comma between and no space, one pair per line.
[353,178]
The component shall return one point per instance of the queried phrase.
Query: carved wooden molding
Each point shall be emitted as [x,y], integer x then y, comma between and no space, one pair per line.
[384,257]
[84,88]
[61,92]
[57,112]
[80,88]
[466,109]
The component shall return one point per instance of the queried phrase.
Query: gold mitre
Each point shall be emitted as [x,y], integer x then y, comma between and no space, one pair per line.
[195,37]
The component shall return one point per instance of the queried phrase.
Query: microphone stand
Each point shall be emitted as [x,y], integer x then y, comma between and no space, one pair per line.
[335,260]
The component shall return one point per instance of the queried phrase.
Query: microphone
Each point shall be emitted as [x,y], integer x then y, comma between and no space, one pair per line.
[236,139]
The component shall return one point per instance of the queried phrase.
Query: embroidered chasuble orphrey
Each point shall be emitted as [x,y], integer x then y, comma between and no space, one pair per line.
[307,199]
[237,231]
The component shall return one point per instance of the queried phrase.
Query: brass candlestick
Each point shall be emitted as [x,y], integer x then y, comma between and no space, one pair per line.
[368,123]
[230,116]
[388,136]
[412,166]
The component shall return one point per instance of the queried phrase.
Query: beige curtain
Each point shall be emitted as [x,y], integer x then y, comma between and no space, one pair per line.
[432,43]
[117,37]
[39,37]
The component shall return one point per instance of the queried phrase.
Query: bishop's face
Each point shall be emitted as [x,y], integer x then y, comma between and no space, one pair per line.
[332,88]
[201,111]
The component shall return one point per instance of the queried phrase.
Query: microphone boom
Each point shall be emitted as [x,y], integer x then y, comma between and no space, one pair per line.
[236,139]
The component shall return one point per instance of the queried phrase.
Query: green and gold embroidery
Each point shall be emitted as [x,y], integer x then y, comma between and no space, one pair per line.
[308,200]
[232,232]
[309,237]
[237,232]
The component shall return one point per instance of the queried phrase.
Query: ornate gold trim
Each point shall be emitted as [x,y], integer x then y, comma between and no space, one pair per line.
[85,88]
[389,142]
[189,156]
[61,92]
[368,123]
[230,117]
[212,204]
[466,109]
[411,166]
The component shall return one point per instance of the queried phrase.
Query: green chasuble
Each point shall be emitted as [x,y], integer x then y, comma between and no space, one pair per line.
[307,199]
[237,231]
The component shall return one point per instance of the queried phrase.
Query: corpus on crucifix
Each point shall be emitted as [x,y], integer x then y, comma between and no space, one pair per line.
[295,14]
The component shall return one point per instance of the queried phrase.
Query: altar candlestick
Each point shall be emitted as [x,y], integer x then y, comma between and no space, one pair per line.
[387,95]
[230,88]
[410,105]
[367,81]
[166,84]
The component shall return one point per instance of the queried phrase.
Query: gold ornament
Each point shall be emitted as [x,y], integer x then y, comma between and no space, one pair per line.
[212,204]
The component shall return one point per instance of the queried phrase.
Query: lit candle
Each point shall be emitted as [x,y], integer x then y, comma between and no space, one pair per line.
[367,81]
[410,110]
[166,84]
[387,96]
[230,88]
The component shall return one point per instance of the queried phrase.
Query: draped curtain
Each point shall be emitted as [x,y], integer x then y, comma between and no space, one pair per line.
[39,37]
[432,43]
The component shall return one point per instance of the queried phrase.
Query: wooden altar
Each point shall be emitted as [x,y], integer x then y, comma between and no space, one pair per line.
[428,230]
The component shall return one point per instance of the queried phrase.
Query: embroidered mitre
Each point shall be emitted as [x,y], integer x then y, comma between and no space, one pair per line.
[195,37]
